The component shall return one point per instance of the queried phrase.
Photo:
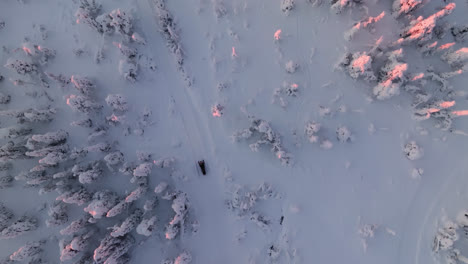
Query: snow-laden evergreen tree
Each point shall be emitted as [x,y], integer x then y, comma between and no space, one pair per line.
[147,226]
[128,224]
[87,13]
[102,202]
[21,226]
[6,215]
[58,214]
[184,258]
[180,205]
[76,195]
[143,170]
[12,151]
[83,104]
[311,130]
[111,248]
[343,134]
[128,69]
[6,182]
[122,22]
[403,7]
[78,244]
[31,250]
[117,102]
[358,65]
[61,79]
[88,173]
[84,85]
[137,194]
[22,67]
[118,209]
[76,226]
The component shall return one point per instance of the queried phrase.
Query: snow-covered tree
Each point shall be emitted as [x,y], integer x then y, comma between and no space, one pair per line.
[460,33]
[111,248]
[117,102]
[102,202]
[128,224]
[113,159]
[343,134]
[83,123]
[118,208]
[31,250]
[164,162]
[84,85]
[99,147]
[78,196]
[76,226]
[457,59]
[89,173]
[6,182]
[287,5]
[22,67]
[83,104]
[391,77]
[367,23]
[87,12]
[78,244]
[6,215]
[61,79]
[143,170]
[12,151]
[412,151]
[147,226]
[122,22]
[180,205]
[421,29]
[58,214]
[358,65]
[403,7]
[184,258]
[136,194]
[23,225]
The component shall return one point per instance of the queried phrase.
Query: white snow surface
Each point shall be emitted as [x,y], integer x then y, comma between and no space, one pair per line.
[318,203]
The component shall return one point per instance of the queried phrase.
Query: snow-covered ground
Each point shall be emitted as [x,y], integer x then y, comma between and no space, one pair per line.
[332,131]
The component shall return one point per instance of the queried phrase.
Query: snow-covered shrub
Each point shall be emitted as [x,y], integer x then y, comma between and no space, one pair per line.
[128,69]
[23,225]
[403,7]
[84,85]
[365,232]
[128,224]
[30,250]
[291,66]
[446,236]
[102,202]
[267,136]
[137,38]
[343,134]
[112,248]
[117,102]
[58,214]
[287,6]
[217,110]
[311,130]
[147,226]
[164,162]
[76,226]
[412,151]
[21,67]
[83,104]
[358,65]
